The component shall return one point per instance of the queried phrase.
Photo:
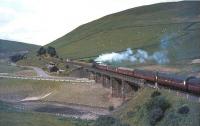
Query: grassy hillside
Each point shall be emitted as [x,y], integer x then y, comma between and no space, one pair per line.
[136,112]
[8,48]
[145,27]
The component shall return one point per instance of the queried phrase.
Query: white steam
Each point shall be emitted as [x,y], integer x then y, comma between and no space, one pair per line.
[139,56]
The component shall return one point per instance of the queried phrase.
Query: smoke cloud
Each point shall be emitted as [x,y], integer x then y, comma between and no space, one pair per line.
[139,56]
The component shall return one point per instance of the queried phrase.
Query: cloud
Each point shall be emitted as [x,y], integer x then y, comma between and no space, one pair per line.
[42,21]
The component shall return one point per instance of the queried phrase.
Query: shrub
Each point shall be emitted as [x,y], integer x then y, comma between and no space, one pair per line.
[110,108]
[51,51]
[183,110]
[61,59]
[91,61]
[130,114]
[156,115]
[41,51]
[17,57]
[158,102]
[105,121]
[67,66]
[156,107]
[108,121]
[155,93]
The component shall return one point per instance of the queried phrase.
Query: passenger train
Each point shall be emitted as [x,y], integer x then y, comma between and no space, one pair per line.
[188,84]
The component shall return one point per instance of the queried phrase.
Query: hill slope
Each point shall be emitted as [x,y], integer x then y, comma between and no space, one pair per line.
[137,113]
[11,47]
[145,27]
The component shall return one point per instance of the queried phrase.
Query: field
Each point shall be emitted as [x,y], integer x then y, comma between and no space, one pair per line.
[60,92]
[6,68]
[172,25]
[10,116]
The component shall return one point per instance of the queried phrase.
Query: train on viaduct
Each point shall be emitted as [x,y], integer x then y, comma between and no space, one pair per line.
[122,81]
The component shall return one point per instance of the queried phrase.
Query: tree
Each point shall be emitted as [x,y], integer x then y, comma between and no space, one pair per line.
[17,57]
[41,51]
[51,51]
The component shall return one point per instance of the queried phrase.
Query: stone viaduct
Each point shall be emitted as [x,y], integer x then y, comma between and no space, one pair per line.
[120,85]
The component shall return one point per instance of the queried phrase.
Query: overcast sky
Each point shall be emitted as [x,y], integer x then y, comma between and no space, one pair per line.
[42,21]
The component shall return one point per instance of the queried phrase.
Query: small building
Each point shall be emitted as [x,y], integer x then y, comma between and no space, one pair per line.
[52,67]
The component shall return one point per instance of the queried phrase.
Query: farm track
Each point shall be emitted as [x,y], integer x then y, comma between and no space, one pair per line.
[58,79]
[42,75]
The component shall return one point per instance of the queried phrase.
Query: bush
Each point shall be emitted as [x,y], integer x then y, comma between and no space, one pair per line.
[110,108]
[155,93]
[156,115]
[17,57]
[130,114]
[51,51]
[67,66]
[41,51]
[183,110]
[105,121]
[108,121]
[157,107]
[158,102]
[91,61]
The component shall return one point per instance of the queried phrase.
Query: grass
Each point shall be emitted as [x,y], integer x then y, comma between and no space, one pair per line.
[26,73]
[12,117]
[62,92]
[31,119]
[6,68]
[135,112]
[142,27]
[81,94]
[13,89]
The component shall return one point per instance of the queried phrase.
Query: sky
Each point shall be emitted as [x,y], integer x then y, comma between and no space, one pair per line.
[42,21]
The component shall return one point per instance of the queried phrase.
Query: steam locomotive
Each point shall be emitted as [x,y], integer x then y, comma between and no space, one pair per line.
[188,84]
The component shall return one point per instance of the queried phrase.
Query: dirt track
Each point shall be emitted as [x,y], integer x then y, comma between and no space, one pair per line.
[40,72]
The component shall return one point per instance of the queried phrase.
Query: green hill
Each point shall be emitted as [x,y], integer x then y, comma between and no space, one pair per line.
[7,46]
[140,109]
[145,27]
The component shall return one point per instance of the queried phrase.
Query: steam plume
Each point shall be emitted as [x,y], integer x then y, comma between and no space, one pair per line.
[139,56]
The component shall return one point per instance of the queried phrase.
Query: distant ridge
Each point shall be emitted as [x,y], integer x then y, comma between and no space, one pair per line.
[14,46]
[8,48]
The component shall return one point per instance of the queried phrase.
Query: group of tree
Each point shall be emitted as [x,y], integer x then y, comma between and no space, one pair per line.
[51,51]
[17,57]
